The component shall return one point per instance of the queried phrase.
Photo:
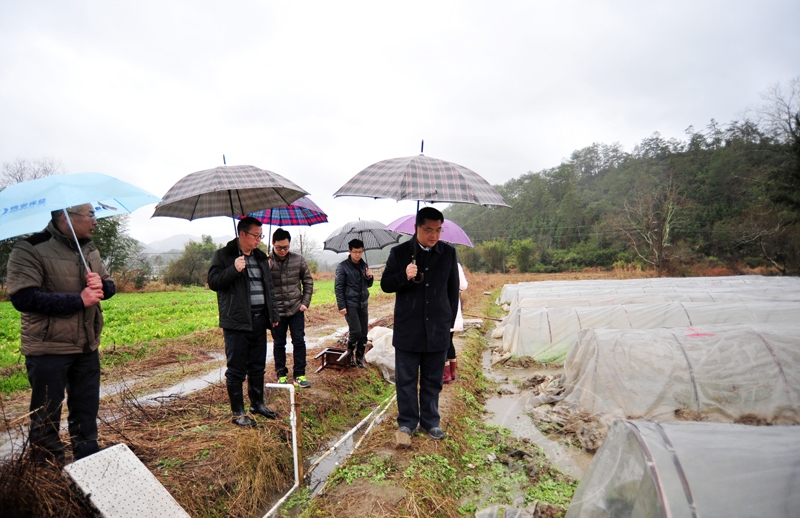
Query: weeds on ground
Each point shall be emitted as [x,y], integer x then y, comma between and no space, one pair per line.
[475,465]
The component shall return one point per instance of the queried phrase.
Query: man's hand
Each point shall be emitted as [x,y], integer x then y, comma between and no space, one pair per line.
[94,281]
[343,311]
[240,263]
[275,324]
[411,271]
[91,296]
[369,272]
[303,307]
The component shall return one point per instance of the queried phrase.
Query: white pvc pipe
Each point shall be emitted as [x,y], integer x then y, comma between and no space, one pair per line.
[348,434]
[293,420]
[372,424]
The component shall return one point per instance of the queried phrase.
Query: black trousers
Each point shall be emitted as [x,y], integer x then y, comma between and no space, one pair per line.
[418,407]
[358,325]
[296,325]
[246,351]
[50,376]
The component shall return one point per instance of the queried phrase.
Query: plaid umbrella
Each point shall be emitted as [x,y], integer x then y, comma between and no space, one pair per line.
[451,232]
[301,212]
[373,233]
[422,178]
[227,191]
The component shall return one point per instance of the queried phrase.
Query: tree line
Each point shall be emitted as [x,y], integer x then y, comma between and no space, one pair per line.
[728,194]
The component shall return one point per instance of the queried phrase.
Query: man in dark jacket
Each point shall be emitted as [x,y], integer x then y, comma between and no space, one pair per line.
[239,273]
[424,274]
[293,288]
[61,325]
[353,280]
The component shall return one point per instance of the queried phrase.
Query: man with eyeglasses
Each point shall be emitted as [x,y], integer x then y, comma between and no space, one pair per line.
[239,273]
[60,330]
[423,272]
[293,288]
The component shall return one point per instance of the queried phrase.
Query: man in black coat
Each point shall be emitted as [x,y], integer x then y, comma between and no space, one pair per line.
[352,284]
[424,274]
[240,275]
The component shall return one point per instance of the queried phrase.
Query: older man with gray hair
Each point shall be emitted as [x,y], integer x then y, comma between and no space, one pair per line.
[61,325]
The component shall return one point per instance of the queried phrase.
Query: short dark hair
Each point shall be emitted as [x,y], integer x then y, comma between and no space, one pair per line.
[430,214]
[355,243]
[246,223]
[280,235]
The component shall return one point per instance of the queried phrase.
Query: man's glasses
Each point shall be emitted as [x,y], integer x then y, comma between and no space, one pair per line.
[428,230]
[257,236]
[281,248]
[92,217]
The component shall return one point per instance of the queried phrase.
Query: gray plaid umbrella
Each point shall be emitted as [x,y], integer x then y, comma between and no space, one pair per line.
[373,233]
[233,190]
[422,178]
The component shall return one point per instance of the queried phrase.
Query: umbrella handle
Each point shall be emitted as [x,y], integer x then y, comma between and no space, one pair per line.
[77,244]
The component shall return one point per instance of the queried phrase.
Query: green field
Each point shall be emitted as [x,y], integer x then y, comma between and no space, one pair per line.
[133,318]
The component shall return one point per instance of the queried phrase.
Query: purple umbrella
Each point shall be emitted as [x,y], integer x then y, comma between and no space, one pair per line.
[451,232]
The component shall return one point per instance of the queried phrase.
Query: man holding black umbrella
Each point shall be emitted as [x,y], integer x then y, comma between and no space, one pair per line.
[423,272]
[240,275]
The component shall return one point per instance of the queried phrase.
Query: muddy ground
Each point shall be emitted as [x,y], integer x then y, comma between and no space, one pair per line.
[215,469]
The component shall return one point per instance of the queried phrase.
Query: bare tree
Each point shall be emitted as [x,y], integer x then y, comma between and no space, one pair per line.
[23,170]
[304,244]
[647,221]
[780,117]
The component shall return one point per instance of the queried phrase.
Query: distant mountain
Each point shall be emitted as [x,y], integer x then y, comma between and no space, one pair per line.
[177,242]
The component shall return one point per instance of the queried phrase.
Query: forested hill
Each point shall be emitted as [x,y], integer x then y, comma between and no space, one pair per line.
[727,194]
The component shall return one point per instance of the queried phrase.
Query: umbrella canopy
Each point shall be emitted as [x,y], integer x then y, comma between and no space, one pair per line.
[451,232]
[301,212]
[231,190]
[422,178]
[25,207]
[373,233]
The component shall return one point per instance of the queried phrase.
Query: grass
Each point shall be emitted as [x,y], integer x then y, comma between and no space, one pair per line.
[474,466]
[137,326]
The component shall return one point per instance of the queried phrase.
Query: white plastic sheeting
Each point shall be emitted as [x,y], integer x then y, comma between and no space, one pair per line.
[579,288]
[683,470]
[722,372]
[547,334]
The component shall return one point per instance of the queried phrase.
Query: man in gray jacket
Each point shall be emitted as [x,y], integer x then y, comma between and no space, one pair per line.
[61,326]
[293,288]
[239,273]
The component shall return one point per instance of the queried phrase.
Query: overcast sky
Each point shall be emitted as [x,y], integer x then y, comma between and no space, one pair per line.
[150,91]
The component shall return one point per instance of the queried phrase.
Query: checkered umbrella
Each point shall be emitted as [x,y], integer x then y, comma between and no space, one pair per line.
[422,178]
[302,212]
[373,233]
[231,190]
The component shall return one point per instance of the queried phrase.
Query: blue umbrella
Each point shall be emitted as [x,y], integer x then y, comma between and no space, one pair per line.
[25,207]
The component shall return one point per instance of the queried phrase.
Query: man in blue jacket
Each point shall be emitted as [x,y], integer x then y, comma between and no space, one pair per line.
[423,272]
[353,280]
[240,275]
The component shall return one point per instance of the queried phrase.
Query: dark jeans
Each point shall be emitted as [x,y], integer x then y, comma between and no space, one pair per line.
[246,351]
[422,408]
[52,374]
[296,325]
[357,323]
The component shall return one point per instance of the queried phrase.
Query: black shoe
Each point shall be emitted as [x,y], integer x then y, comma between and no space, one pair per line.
[352,357]
[244,421]
[406,430]
[261,409]
[435,433]
[360,363]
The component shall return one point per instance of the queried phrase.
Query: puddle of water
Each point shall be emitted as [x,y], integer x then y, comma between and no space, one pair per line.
[320,473]
[509,411]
